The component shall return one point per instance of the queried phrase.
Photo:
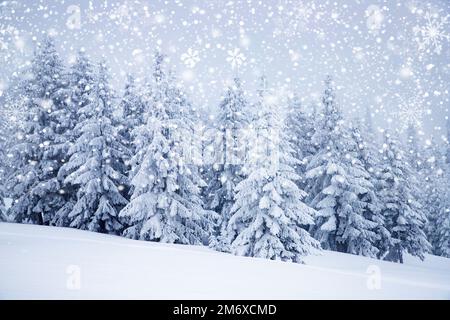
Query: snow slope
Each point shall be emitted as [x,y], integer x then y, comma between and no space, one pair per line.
[46,262]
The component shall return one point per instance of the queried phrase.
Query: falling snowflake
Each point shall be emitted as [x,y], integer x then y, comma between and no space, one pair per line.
[291,21]
[91,15]
[236,58]
[190,58]
[8,33]
[12,115]
[410,111]
[375,18]
[433,33]
[121,15]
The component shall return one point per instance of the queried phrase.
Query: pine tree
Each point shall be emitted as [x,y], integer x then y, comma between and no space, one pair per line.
[133,110]
[438,177]
[39,152]
[404,217]
[431,187]
[368,155]
[301,130]
[447,156]
[3,164]
[11,117]
[442,230]
[81,79]
[414,154]
[95,167]
[268,214]
[339,186]
[165,203]
[227,170]
[414,151]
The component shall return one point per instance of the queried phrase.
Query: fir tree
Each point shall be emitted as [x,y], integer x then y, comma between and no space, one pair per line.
[403,214]
[40,152]
[227,170]
[96,160]
[339,186]
[3,164]
[414,150]
[81,79]
[165,203]
[268,214]
[442,230]
[368,155]
[301,130]
[432,188]
[132,106]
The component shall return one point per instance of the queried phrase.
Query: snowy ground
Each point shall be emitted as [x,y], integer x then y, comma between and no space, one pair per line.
[45,262]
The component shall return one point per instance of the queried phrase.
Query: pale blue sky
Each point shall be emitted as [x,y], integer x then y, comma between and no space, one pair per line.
[372,48]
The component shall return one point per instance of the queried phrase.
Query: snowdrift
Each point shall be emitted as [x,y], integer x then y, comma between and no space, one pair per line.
[39,262]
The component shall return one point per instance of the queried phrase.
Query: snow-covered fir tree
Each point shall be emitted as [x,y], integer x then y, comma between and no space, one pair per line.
[447,154]
[132,107]
[441,243]
[431,187]
[269,212]
[441,235]
[301,129]
[3,164]
[229,149]
[367,153]
[403,214]
[80,78]
[165,203]
[39,151]
[339,186]
[414,150]
[96,160]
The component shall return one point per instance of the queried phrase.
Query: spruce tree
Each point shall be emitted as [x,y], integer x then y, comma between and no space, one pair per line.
[227,170]
[96,162]
[442,230]
[269,212]
[81,80]
[339,187]
[39,151]
[165,203]
[368,154]
[3,164]
[301,129]
[132,106]
[432,187]
[403,214]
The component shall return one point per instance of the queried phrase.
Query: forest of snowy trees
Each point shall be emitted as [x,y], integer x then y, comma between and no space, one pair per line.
[268,178]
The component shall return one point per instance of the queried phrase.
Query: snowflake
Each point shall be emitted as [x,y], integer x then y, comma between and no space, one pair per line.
[292,20]
[236,58]
[121,15]
[12,115]
[7,34]
[91,15]
[430,36]
[411,111]
[190,58]
[375,18]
